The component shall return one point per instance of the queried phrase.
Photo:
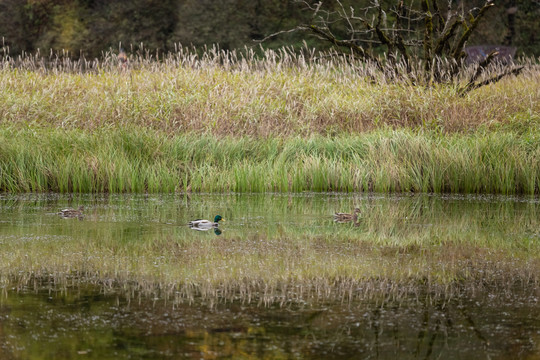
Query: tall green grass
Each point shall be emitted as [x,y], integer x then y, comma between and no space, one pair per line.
[131,160]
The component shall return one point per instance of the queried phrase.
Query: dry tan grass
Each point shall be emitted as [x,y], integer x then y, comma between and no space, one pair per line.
[282,94]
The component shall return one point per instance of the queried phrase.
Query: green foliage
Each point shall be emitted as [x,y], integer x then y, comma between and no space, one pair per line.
[92,27]
[502,18]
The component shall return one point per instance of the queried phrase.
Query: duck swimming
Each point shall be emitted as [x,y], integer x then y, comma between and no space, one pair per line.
[205,224]
[69,212]
[346,217]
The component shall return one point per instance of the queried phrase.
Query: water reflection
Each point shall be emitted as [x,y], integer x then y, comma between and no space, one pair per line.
[412,277]
[294,213]
[68,324]
[216,230]
[285,239]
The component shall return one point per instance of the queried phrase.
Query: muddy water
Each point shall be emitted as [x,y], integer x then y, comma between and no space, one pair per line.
[45,321]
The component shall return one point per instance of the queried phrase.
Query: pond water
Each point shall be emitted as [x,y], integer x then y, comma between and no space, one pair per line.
[476,296]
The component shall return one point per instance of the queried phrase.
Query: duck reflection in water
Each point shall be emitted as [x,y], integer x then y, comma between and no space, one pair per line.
[216,230]
[205,225]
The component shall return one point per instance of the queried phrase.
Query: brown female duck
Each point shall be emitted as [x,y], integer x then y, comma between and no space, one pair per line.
[69,212]
[346,217]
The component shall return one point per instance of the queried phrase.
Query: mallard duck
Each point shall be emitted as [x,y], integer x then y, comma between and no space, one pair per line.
[205,224]
[346,217]
[69,212]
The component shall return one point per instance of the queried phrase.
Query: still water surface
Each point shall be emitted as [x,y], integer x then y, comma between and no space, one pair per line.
[46,321]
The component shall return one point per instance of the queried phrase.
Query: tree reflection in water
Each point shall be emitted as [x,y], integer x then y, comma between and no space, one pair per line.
[69,323]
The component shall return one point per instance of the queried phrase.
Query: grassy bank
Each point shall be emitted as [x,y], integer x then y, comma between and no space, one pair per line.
[130,160]
[221,121]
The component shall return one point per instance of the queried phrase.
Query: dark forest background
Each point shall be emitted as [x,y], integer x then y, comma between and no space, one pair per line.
[91,27]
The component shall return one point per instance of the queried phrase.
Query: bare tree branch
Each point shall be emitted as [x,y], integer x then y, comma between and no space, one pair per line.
[358,50]
[458,50]
[428,32]
[445,38]
[422,43]
[515,71]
